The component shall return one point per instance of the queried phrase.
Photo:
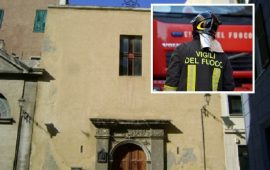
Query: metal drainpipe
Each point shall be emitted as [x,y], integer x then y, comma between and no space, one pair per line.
[18,132]
[203,110]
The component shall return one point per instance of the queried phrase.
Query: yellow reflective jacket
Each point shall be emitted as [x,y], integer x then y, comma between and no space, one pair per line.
[194,69]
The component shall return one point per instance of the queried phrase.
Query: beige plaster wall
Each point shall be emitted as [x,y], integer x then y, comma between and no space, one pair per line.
[81,55]
[12,90]
[18,23]
[17,26]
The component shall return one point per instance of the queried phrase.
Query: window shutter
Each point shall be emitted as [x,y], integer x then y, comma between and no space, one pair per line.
[1,16]
[40,20]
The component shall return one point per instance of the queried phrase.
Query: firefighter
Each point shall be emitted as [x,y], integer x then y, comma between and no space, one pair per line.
[200,65]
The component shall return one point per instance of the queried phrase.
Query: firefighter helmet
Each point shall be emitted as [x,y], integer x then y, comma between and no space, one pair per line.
[206,22]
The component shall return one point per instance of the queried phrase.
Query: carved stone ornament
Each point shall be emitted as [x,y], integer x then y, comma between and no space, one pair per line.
[137,133]
[145,142]
[101,132]
[157,133]
[122,128]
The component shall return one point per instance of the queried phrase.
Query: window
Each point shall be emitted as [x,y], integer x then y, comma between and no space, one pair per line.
[40,20]
[1,16]
[4,108]
[243,157]
[130,55]
[235,105]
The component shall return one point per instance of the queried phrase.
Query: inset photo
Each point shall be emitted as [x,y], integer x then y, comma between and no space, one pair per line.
[202,48]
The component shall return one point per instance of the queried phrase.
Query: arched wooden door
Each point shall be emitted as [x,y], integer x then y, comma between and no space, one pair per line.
[129,157]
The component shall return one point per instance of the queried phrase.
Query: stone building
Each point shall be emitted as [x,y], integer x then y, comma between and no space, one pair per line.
[97,105]
[22,26]
[93,103]
[235,143]
[18,82]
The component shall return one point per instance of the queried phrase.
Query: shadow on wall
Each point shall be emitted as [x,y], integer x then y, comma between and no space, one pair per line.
[51,129]
[228,122]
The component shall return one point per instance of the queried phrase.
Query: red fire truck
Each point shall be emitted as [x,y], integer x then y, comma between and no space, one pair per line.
[171,27]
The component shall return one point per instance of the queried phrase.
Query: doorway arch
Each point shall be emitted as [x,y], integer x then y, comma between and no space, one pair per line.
[149,135]
[129,156]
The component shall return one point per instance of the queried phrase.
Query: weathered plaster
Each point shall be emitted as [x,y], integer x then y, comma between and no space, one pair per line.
[86,84]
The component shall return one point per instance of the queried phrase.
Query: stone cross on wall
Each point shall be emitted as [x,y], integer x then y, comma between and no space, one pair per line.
[131,3]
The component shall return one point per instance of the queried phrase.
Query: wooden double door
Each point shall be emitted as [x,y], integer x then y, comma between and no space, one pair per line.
[129,157]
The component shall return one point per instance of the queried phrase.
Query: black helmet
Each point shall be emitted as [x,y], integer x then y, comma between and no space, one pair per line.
[206,22]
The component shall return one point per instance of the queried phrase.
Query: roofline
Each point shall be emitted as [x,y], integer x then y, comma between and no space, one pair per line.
[19,65]
[99,8]
[109,123]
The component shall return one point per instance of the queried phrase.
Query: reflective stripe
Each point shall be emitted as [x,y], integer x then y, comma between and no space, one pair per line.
[191,77]
[215,78]
[169,88]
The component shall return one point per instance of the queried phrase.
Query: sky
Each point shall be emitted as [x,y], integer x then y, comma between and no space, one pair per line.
[119,3]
